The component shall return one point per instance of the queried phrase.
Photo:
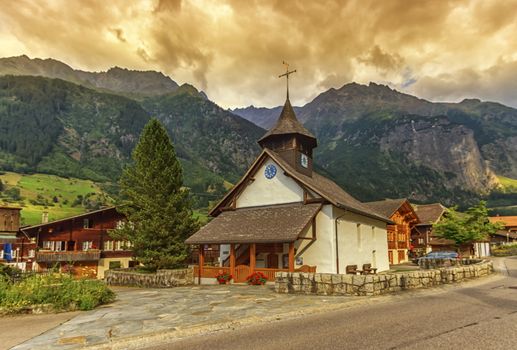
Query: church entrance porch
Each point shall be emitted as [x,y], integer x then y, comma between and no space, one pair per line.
[245,259]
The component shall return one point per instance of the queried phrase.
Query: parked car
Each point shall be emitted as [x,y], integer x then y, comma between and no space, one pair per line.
[439,255]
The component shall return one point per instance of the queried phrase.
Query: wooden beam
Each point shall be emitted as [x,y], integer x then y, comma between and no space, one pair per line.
[232,259]
[253,252]
[314,228]
[291,257]
[201,262]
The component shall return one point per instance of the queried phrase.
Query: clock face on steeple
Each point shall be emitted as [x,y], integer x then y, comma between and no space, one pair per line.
[304,161]
[270,171]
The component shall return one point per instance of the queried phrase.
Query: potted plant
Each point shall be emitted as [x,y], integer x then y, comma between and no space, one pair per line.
[257,279]
[223,277]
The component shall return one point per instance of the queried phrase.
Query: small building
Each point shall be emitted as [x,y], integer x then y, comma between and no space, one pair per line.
[284,216]
[404,218]
[508,234]
[424,241]
[422,234]
[80,244]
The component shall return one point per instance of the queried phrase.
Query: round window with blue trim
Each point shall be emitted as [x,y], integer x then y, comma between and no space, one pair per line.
[270,171]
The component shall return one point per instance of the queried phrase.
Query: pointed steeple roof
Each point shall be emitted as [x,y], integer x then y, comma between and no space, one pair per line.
[286,124]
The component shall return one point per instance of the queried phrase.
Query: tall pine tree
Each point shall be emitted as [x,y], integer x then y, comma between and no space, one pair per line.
[156,204]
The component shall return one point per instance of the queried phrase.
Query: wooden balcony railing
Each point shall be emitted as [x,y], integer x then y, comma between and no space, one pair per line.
[65,256]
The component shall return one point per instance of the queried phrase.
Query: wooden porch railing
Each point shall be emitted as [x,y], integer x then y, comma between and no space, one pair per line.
[243,271]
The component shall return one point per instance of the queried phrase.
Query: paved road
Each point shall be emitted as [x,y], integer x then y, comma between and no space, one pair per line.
[480,316]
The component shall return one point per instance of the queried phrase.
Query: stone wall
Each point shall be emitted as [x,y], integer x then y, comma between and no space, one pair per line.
[159,279]
[438,263]
[366,285]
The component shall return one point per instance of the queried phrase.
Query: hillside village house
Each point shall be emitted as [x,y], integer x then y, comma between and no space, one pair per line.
[422,233]
[424,241]
[508,234]
[80,244]
[404,218]
[283,215]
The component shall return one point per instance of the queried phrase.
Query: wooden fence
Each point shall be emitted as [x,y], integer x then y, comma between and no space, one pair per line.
[243,271]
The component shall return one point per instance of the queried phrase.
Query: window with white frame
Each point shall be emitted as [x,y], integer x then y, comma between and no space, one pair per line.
[32,253]
[87,245]
[108,245]
[119,245]
[55,246]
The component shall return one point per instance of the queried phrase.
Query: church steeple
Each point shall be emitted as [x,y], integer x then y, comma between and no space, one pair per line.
[289,138]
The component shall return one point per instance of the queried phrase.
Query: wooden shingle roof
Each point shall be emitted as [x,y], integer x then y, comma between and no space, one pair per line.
[387,207]
[271,224]
[508,221]
[429,214]
[287,123]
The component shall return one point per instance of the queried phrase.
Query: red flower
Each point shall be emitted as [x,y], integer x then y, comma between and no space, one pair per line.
[256,278]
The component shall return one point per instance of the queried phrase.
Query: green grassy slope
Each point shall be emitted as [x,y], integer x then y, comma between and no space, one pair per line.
[60,197]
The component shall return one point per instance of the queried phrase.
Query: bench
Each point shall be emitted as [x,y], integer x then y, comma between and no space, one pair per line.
[368,269]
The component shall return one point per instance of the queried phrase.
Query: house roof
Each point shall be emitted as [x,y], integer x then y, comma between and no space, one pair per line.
[387,207]
[287,123]
[503,233]
[8,207]
[508,221]
[429,214]
[317,183]
[271,224]
[80,216]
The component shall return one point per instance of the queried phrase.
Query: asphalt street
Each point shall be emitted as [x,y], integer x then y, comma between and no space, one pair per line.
[479,315]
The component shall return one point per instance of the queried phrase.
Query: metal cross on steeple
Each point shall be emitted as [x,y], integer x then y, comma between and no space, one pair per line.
[286,75]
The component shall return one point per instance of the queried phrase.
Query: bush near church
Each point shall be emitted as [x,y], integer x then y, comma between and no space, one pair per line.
[52,292]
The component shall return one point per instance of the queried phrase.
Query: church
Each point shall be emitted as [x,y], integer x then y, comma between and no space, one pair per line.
[284,216]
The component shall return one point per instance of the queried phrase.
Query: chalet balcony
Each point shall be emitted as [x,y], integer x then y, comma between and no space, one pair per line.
[66,256]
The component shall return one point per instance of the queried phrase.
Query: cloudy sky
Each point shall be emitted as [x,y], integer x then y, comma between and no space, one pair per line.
[439,50]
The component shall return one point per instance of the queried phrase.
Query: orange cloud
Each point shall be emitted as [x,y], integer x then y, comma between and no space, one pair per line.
[233,49]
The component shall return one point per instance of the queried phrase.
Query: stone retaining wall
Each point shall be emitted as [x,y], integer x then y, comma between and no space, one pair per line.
[366,285]
[438,263]
[159,279]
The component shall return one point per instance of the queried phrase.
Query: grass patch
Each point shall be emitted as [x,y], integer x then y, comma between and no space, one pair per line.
[509,184]
[60,197]
[505,250]
[61,291]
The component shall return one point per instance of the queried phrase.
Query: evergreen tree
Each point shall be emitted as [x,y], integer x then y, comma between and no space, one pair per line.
[155,202]
[468,227]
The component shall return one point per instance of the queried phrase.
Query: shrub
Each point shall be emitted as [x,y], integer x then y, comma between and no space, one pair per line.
[505,250]
[61,291]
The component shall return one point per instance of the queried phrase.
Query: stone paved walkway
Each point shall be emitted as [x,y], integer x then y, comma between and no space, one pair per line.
[139,312]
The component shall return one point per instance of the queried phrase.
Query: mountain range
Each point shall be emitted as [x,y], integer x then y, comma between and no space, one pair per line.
[374,141]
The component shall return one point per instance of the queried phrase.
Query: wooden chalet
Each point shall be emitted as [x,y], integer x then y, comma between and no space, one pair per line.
[404,218]
[424,241]
[80,244]
[422,237]
[508,234]
[284,216]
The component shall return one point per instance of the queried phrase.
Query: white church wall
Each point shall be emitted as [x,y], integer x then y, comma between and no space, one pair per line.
[321,252]
[361,240]
[280,189]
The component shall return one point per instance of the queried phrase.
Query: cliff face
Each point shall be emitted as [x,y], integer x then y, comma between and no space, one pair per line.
[445,147]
